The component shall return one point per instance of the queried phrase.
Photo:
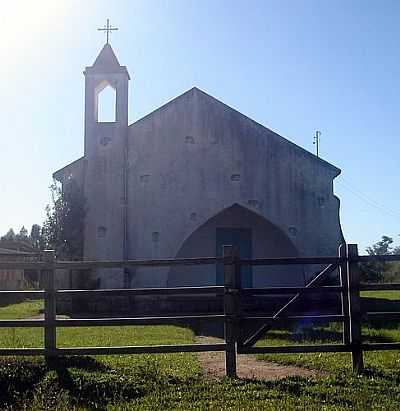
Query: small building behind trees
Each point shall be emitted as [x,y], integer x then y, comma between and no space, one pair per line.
[12,279]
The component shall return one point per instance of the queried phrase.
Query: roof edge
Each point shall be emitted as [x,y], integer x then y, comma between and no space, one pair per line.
[57,175]
[163,106]
[336,170]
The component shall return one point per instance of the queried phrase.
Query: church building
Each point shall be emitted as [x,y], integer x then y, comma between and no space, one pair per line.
[190,177]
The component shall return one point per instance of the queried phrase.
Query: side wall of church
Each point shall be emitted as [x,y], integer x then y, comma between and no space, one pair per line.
[195,157]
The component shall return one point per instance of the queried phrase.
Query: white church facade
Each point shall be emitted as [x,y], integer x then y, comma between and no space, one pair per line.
[188,178]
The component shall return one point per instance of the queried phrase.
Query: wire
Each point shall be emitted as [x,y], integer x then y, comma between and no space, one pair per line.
[383,209]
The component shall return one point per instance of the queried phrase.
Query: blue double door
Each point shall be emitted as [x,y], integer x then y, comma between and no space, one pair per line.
[237,237]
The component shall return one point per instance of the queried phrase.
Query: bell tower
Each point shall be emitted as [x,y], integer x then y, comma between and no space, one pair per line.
[105,165]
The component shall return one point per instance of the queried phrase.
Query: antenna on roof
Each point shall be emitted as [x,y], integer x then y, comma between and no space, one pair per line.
[316,141]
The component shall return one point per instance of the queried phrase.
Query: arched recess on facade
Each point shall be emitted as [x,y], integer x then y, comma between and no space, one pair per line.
[243,226]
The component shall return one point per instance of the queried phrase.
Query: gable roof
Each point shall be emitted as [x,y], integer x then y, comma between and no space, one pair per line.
[194,90]
[190,94]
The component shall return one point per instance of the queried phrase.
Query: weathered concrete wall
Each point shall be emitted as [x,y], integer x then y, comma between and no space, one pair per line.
[195,157]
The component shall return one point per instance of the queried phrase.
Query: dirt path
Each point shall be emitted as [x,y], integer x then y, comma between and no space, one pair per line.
[248,366]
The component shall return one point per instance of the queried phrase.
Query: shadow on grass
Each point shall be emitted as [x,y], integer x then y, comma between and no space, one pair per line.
[319,336]
[75,380]
[79,362]
[380,305]
[304,335]
[378,339]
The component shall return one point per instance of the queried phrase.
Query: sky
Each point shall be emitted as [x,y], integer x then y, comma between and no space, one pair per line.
[295,66]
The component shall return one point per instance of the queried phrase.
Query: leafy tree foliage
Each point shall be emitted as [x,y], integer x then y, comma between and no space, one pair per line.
[63,228]
[381,247]
[9,236]
[36,237]
[23,234]
[378,271]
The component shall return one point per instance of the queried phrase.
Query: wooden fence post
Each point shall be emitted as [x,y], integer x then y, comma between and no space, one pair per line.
[343,274]
[50,344]
[231,306]
[355,308]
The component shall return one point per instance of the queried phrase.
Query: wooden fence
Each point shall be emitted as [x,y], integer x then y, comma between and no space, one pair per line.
[233,318]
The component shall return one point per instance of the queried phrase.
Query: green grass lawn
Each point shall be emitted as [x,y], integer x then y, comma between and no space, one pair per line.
[26,309]
[387,295]
[385,361]
[376,331]
[175,381]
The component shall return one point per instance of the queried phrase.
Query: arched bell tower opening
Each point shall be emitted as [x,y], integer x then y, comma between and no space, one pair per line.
[106,103]
[253,234]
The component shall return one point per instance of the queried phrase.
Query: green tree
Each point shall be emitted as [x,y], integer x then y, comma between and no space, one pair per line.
[374,271]
[63,228]
[23,234]
[36,237]
[396,250]
[9,236]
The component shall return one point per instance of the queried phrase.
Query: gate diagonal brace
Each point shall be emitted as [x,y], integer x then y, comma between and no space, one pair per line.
[316,281]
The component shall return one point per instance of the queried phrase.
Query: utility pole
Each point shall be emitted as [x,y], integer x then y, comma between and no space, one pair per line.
[316,141]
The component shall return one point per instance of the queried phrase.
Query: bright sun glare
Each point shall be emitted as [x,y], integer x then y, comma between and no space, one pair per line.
[26,22]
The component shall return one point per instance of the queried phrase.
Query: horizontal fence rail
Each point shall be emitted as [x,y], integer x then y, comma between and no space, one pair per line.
[374,258]
[283,320]
[83,265]
[218,290]
[87,322]
[233,295]
[295,349]
[22,323]
[148,349]
[23,293]
[379,287]
[291,261]
[292,290]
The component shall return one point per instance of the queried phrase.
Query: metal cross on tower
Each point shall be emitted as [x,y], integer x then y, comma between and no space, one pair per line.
[108,29]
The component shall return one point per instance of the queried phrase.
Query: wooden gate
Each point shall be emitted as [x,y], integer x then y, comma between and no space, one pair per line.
[350,314]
